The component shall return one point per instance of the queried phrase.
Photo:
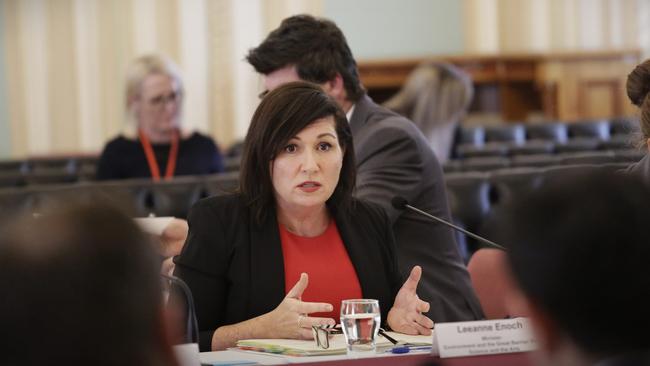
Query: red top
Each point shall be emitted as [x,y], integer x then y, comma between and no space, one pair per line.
[332,276]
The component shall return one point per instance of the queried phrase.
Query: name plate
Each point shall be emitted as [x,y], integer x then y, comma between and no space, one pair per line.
[484,337]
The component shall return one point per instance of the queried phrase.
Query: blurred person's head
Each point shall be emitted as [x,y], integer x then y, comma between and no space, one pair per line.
[436,96]
[298,134]
[638,90]
[154,95]
[310,49]
[81,287]
[578,249]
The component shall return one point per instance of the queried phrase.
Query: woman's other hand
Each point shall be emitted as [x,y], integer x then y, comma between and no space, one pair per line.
[406,314]
[173,237]
[290,319]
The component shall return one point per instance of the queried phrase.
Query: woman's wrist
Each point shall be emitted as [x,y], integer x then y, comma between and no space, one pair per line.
[228,335]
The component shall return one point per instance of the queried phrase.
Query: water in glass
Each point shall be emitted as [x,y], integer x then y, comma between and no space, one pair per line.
[360,320]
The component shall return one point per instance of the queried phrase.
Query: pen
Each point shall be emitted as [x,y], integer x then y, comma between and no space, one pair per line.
[407,349]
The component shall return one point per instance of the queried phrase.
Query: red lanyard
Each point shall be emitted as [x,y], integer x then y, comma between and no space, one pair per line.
[151,158]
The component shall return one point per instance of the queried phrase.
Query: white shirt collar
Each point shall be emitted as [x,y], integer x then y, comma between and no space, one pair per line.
[349,114]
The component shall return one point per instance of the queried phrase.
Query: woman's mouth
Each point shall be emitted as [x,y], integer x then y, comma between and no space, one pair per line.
[309,186]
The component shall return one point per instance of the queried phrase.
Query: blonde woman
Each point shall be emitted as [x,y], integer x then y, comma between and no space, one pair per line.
[157,148]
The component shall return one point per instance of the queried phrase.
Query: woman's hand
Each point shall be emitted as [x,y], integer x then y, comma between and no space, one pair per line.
[290,319]
[406,314]
[173,237]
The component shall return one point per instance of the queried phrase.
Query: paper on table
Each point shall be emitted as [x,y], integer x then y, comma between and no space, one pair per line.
[293,347]
[153,225]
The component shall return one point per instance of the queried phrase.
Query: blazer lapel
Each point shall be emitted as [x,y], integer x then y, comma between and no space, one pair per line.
[267,266]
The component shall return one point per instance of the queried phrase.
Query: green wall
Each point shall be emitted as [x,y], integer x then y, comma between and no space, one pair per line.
[5,135]
[398,29]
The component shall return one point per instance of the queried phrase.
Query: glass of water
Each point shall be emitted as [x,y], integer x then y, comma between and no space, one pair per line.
[360,320]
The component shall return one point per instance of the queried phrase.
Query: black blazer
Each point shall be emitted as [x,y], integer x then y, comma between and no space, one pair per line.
[235,268]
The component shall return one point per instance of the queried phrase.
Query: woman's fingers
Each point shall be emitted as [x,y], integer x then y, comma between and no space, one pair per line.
[412,282]
[314,307]
[300,286]
[422,306]
[419,329]
[304,333]
[424,321]
[309,321]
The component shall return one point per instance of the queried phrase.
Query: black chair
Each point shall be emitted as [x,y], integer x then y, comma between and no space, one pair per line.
[219,184]
[598,129]
[623,134]
[452,166]
[533,147]
[467,151]
[578,144]
[586,135]
[588,157]
[87,168]
[485,163]
[515,133]
[535,160]
[231,164]
[548,131]
[11,179]
[133,195]
[471,135]
[467,137]
[508,185]
[235,150]
[623,126]
[13,167]
[629,156]
[469,201]
[176,197]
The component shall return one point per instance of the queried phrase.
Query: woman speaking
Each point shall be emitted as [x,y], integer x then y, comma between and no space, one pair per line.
[280,255]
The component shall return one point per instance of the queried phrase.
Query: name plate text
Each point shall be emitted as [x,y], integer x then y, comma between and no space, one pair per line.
[484,337]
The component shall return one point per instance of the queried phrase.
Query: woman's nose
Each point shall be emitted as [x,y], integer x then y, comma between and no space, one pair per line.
[309,162]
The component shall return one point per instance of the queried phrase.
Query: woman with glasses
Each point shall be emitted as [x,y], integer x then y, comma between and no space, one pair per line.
[157,148]
[278,257]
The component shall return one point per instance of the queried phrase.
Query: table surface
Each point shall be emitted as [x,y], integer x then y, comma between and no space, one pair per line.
[419,359]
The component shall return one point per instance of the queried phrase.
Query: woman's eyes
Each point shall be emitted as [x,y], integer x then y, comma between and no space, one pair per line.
[322,146]
[291,148]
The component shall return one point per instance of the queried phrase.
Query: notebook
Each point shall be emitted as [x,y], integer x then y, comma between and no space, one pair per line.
[294,347]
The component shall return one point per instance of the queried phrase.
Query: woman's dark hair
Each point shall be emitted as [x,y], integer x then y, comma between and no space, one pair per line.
[317,48]
[638,90]
[281,115]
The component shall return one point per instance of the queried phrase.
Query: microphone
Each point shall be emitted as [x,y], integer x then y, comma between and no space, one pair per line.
[401,203]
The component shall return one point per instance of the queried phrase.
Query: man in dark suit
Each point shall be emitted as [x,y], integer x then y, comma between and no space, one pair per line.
[392,157]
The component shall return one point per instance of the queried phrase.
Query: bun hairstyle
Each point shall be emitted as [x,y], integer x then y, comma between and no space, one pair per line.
[638,90]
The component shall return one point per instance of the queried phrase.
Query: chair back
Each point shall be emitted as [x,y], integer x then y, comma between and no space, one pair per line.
[492,282]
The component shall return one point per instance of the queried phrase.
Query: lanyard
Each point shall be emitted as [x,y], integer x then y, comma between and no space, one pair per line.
[151,158]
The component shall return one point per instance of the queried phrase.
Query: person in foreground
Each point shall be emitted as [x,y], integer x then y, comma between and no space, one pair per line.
[279,257]
[158,148]
[393,158]
[638,90]
[81,287]
[578,250]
